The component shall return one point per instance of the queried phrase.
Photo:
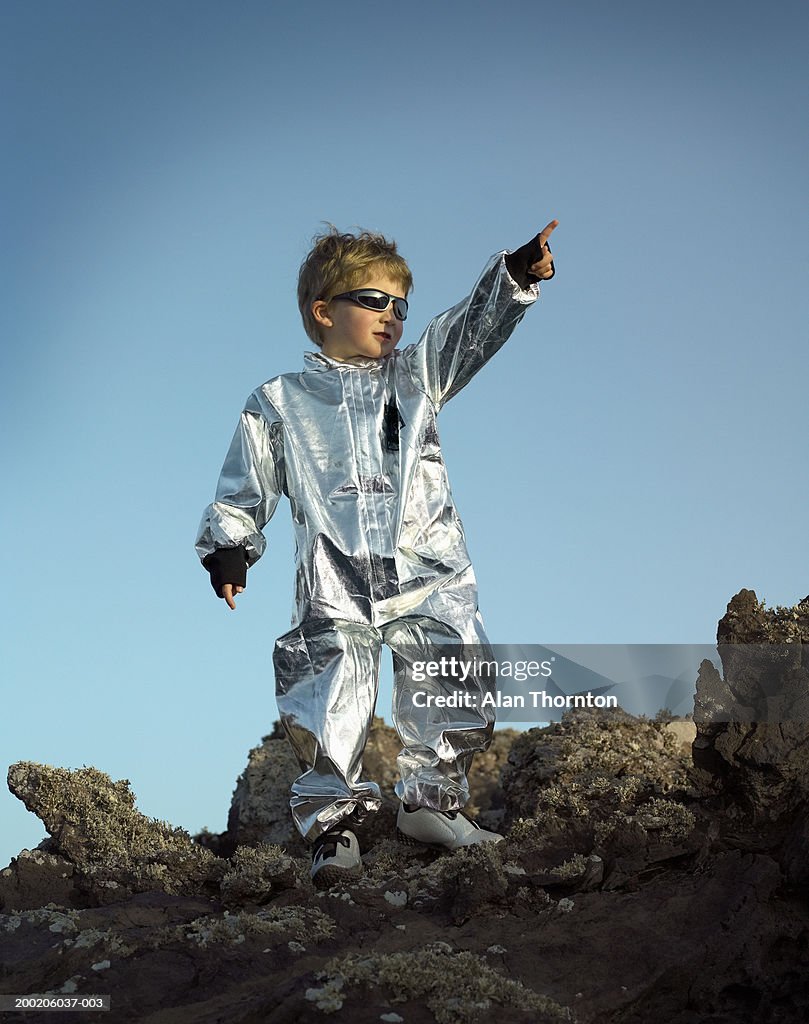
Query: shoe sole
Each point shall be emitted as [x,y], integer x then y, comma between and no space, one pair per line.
[407,840]
[331,875]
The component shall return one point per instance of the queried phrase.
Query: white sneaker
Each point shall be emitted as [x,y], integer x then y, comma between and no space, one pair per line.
[449,829]
[335,858]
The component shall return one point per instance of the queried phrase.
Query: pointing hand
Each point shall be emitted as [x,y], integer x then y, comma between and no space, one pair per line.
[543,268]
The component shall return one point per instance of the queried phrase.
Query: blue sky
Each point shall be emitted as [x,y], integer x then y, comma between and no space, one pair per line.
[632,458]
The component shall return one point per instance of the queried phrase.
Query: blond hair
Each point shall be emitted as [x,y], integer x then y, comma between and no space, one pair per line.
[339,262]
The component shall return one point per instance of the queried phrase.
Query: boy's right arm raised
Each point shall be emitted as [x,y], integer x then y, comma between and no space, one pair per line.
[458,342]
[230,535]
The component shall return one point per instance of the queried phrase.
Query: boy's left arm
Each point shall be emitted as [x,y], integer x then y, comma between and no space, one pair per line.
[457,343]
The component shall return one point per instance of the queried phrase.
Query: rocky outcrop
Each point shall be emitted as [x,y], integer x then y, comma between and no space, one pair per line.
[95,827]
[597,798]
[634,885]
[752,745]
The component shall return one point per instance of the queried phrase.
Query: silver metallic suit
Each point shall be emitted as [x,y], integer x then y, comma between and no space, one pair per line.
[381,555]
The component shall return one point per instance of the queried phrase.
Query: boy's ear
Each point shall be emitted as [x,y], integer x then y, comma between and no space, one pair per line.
[320,311]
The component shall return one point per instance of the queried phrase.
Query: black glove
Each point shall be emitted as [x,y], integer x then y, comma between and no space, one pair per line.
[518,262]
[227,565]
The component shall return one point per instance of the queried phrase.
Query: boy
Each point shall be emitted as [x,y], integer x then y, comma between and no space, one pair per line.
[381,556]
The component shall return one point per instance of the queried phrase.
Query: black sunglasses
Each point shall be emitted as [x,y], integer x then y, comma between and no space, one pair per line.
[372,298]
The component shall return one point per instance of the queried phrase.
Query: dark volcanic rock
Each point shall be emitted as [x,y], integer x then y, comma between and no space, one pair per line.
[752,745]
[632,886]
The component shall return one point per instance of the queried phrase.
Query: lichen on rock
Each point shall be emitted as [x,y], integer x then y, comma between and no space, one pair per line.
[672,820]
[256,874]
[303,924]
[93,823]
[59,919]
[458,987]
[588,787]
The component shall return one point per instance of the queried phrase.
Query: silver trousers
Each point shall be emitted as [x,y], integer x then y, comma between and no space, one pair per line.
[327,675]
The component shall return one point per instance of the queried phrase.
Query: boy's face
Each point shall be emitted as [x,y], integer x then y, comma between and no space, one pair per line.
[349,330]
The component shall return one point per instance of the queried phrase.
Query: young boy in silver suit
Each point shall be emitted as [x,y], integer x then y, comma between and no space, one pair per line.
[352,441]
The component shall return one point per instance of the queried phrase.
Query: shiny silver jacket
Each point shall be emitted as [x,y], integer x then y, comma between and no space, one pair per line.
[354,446]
